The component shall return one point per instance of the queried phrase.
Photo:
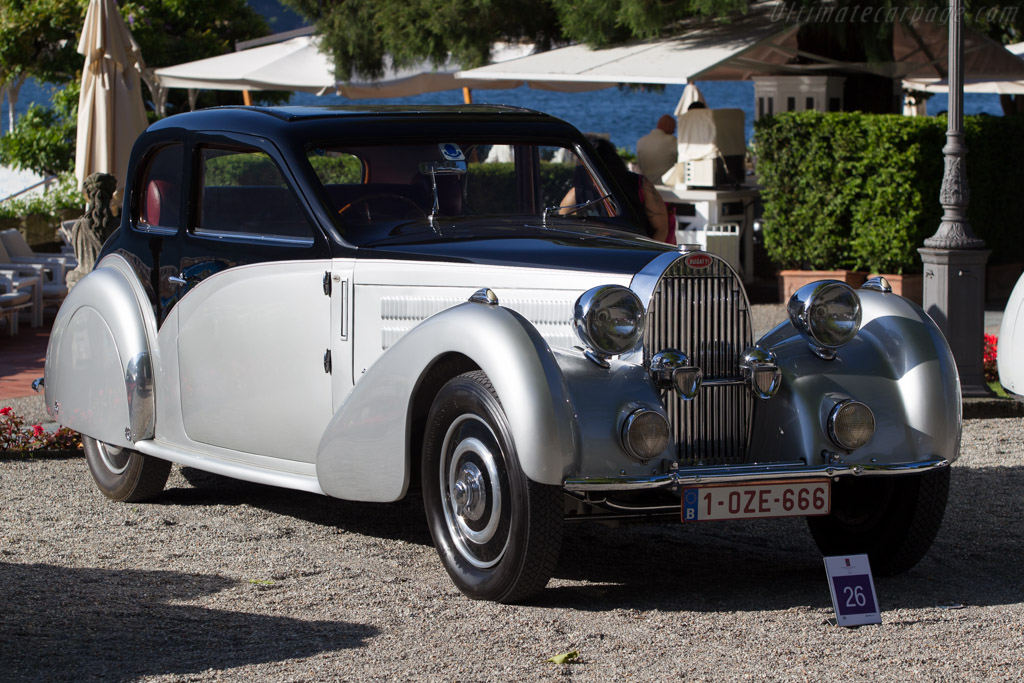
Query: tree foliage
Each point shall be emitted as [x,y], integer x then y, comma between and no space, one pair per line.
[176,31]
[43,140]
[38,39]
[359,34]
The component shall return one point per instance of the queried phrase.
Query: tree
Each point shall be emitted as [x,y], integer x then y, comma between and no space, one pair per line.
[37,41]
[359,34]
[43,140]
[175,31]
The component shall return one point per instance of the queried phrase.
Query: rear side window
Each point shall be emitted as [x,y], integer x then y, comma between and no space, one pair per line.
[159,207]
[244,196]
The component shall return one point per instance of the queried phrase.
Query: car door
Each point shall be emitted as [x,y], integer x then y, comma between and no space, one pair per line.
[255,318]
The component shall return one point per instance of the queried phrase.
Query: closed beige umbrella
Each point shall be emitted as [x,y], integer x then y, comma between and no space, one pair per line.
[110,109]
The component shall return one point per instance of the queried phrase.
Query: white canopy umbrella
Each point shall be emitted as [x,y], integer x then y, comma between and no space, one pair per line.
[298,64]
[670,61]
[110,109]
[750,46]
[294,64]
[976,84]
[691,95]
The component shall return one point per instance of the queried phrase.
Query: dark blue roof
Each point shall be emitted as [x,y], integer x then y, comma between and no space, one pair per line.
[253,119]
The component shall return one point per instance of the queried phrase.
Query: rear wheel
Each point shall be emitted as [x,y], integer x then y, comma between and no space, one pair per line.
[892,519]
[123,474]
[498,533]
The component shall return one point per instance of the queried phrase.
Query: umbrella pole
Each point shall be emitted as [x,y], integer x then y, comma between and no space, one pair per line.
[467,96]
[247,98]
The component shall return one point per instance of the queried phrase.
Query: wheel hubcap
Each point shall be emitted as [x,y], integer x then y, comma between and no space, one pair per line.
[474,491]
[469,494]
[115,459]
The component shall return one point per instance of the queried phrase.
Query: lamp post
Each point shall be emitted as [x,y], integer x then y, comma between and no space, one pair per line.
[954,258]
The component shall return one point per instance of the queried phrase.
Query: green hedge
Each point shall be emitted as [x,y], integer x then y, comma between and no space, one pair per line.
[861,191]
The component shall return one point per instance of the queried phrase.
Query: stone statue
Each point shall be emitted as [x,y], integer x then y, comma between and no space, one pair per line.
[93,229]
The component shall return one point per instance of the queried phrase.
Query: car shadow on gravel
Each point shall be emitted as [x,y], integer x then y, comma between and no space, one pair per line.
[402,520]
[775,565]
[115,625]
[730,566]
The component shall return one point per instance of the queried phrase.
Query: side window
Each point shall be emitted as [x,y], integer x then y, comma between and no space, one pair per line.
[244,195]
[159,206]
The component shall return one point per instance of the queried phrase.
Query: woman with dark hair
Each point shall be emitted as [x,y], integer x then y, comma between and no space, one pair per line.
[640,192]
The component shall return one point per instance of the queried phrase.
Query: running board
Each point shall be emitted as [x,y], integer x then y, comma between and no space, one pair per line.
[235,470]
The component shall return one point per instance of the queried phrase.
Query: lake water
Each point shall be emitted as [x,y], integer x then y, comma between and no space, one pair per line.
[625,114]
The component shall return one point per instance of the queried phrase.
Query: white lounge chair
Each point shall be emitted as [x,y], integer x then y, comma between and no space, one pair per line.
[19,251]
[49,289]
[17,294]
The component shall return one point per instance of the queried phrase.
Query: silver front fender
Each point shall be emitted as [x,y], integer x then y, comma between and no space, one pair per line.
[899,365]
[363,454]
[99,361]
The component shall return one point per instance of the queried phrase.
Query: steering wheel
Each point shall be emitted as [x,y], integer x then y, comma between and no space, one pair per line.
[376,208]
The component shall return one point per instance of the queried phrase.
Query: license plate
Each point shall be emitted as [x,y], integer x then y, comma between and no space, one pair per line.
[750,501]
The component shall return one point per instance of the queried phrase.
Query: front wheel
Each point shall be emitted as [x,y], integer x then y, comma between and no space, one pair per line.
[894,520]
[498,533]
[123,474]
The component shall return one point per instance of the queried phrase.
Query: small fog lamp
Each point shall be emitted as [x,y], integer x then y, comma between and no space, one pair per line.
[760,370]
[671,369]
[851,424]
[645,434]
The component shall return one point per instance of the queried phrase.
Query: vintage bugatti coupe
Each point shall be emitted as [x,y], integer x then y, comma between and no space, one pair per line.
[362,302]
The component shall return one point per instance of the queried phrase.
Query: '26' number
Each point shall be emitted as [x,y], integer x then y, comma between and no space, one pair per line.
[855,596]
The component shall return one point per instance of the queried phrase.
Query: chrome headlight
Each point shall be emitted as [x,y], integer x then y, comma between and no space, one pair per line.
[827,313]
[851,424]
[609,320]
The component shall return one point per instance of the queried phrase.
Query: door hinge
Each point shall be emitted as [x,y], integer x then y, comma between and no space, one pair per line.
[327,282]
[327,361]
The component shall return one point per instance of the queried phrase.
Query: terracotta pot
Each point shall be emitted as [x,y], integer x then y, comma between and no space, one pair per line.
[792,280]
[908,286]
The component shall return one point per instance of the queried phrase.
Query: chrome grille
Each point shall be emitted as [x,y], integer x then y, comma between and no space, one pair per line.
[704,313]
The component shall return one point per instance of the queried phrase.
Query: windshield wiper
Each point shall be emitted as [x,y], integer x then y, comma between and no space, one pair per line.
[571,209]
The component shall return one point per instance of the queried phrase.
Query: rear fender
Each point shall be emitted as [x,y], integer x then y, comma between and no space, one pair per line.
[99,362]
[364,453]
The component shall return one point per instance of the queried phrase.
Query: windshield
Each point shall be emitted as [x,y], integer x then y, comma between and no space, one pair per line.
[376,190]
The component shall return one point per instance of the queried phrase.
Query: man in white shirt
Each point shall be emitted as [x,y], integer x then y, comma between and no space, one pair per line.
[657,152]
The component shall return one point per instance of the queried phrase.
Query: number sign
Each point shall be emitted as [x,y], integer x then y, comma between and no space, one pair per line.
[853,590]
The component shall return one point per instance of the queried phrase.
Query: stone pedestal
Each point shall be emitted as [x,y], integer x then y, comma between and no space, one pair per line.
[954,292]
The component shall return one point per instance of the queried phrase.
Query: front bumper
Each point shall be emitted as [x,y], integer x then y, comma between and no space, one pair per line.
[747,474]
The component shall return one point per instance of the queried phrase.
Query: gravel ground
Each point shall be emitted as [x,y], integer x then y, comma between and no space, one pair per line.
[224,580]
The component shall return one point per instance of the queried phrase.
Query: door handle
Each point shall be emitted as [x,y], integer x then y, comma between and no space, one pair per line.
[180,280]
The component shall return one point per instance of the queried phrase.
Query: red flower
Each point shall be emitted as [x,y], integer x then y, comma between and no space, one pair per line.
[6,411]
[989,358]
[37,430]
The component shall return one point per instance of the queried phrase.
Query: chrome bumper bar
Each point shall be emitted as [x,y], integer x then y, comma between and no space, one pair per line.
[747,474]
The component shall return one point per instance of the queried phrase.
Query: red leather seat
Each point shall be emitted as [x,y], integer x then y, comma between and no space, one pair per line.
[161,204]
